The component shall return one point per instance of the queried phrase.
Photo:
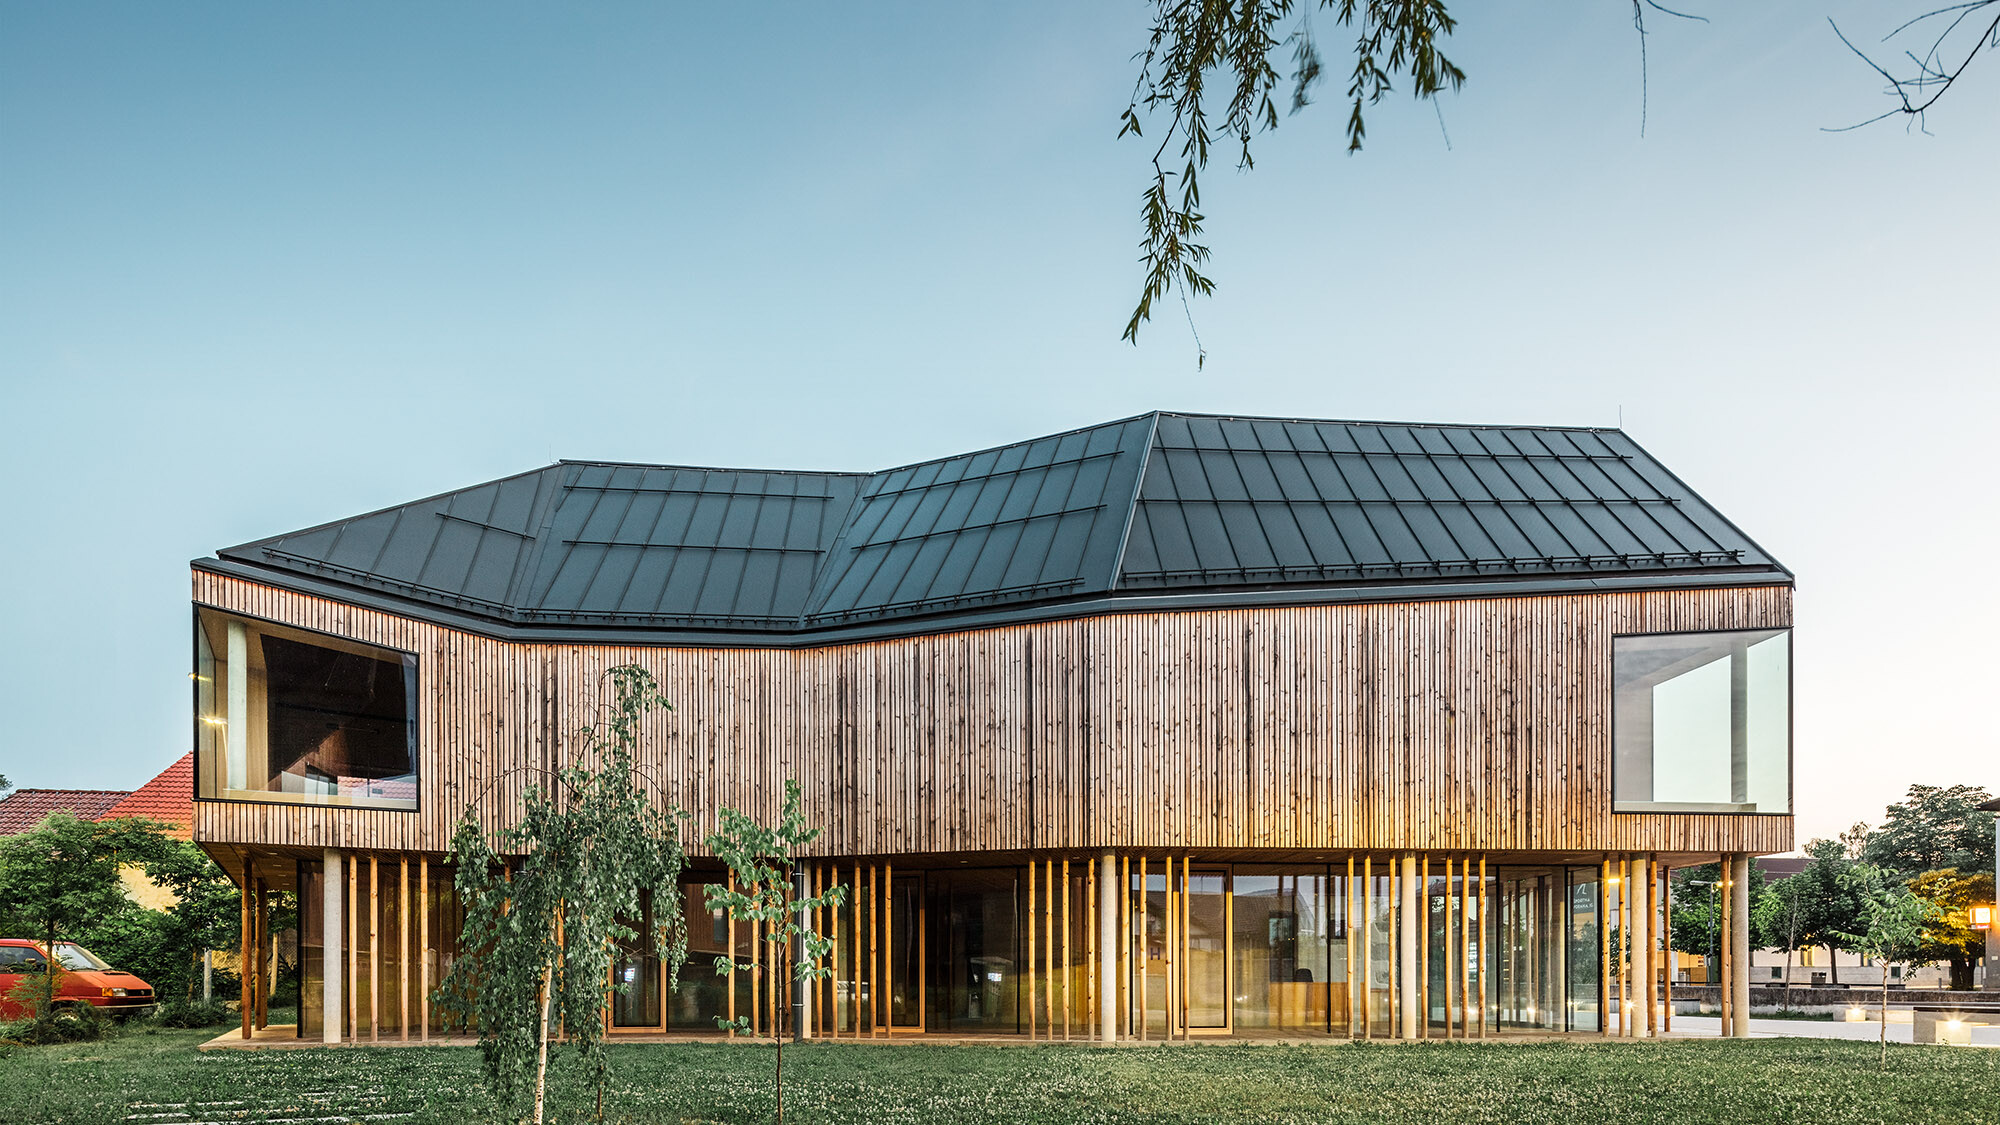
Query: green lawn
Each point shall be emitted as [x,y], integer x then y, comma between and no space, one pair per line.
[158,1078]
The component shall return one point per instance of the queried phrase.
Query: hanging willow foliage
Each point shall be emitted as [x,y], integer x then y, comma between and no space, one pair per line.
[548,901]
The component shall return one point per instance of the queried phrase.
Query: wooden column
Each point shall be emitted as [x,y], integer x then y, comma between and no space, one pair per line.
[1105,925]
[1067,968]
[403,948]
[1145,1015]
[1367,947]
[1090,949]
[1465,947]
[888,946]
[1125,958]
[1642,949]
[1348,916]
[1049,947]
[1407,947]
[1624,947]
[1445,947]
[729,978]
[1605,996]
[1666,901]
[424,948]
[1169,938]
[354,947]
[1034,905]
[374,949]
[1485,935]
[248,950]
[1422,925]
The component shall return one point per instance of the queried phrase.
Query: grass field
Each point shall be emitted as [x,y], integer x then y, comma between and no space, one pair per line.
[158,1078]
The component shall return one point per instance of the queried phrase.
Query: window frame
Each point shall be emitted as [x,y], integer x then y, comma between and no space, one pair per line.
[194,713]
[1677,808]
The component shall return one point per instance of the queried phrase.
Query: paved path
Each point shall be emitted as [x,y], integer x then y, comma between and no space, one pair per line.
[1899,1030]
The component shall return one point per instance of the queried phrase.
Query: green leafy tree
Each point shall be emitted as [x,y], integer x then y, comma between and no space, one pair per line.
[1828,907]
[61,877]
[765,892]
[1697,910]
[1932,828]
[547,902]
[1949,935]
[5,785]
[1892,928]
[165,946]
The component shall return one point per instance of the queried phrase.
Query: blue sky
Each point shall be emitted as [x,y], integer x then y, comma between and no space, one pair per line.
[266,265]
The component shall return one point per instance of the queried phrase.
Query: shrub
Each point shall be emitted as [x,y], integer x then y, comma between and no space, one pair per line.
[65,1024]
[192,1013]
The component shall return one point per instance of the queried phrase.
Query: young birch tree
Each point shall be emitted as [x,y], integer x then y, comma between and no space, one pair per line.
[1892,927]
[764,864]
[548,901]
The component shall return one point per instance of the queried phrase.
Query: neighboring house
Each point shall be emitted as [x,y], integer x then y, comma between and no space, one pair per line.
[168,798]
[23,810]
[1175,726]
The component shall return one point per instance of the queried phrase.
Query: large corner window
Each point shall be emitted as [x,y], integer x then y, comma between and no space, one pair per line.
[286,715]
[1702,722]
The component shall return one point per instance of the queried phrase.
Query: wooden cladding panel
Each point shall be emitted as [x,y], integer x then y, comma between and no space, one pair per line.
[1478,724]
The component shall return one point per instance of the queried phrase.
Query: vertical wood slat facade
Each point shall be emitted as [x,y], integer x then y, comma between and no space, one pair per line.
[1296,727]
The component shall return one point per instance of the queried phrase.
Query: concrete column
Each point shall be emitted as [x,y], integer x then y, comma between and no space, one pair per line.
[236,732]
[1406,968]
[1107,947]
[333,1006]
[1642,947]
[1739,944]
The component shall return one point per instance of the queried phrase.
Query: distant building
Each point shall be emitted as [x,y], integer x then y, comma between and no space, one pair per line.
[168,798]
[1813,965]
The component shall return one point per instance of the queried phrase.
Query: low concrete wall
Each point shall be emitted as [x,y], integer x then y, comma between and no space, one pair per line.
[1831,1000]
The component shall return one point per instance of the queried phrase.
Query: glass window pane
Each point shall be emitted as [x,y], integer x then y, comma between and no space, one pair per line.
[1702,722]
[282,714]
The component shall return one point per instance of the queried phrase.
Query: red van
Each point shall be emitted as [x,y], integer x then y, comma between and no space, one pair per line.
[85,979]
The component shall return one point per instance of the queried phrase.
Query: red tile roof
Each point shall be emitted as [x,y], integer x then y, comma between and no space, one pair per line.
[22,810]
[168,798]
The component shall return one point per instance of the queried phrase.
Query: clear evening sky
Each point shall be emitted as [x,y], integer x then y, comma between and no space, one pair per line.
[263,266]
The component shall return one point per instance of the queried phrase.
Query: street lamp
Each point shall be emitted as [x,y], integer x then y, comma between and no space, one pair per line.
[1982,918]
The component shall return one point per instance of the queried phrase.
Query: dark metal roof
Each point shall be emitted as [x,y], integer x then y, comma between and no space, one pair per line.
[1161,505]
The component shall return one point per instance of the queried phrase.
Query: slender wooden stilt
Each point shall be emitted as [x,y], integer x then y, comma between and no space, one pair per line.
[403,949]
[424,947]
[374,948]
[1066,958]
[1368,947]
[353,947]
[1125,957]
[729,979]
[1145,1016]
[1093,1024]
[1353,1004]
[249,949]
[1485,935]
[1171,939]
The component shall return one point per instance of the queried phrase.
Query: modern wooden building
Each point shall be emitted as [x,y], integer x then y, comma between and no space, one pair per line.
[1170,727]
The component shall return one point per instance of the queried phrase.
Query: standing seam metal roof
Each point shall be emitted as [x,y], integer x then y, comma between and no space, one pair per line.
[1160,502]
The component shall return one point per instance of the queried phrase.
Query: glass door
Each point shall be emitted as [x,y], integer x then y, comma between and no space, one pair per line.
[1207,951]
[904,972]
[635,977]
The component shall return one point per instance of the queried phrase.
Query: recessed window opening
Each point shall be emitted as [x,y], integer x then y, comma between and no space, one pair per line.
[1701,722]
[287,715]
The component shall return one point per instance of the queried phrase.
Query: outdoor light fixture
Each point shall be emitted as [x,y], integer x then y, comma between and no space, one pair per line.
[1982,918]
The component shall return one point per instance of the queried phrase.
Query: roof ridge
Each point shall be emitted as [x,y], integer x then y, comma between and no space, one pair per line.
[1387,422]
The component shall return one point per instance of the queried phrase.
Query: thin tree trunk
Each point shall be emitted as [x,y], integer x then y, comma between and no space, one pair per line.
[542,1043]
[1832,963]
[1883,1036]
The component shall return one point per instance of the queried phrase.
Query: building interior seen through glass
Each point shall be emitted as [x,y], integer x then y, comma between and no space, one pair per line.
[282,714]
[1701,722]
[1266,949]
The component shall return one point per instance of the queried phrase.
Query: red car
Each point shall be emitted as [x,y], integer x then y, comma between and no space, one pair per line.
[85,979]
